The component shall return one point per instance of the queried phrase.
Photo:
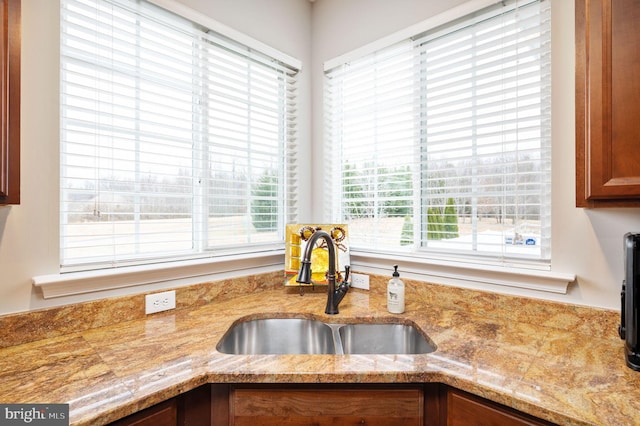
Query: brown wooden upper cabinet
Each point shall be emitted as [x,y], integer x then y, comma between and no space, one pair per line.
[607,103]
[10,102]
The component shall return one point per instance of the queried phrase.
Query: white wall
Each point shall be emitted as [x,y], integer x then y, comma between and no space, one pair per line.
[587,243]
[29,232]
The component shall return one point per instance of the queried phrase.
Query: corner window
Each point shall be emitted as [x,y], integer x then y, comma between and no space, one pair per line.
[176,141]
[441,144]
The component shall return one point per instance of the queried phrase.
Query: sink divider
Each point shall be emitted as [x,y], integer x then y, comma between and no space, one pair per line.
[337,341]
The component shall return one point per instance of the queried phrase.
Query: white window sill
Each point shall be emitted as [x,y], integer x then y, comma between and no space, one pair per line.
[478,276]
[73,283]
[485,277]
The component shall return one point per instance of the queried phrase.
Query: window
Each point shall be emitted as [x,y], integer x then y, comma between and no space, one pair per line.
[440,144]
[176,141]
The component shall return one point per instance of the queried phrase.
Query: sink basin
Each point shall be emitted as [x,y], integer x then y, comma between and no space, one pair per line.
[307,336]
[383,339]
[278,336]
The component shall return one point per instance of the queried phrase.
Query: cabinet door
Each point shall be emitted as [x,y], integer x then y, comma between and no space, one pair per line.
[279,406]
[163,414]
[467,410]
[607,107]
[10,102]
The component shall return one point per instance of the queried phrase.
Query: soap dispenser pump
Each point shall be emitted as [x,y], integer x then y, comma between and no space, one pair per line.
[395,293]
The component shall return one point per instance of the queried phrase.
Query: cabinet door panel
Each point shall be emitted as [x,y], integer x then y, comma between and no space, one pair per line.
[163,414]
[326,407]
[607,111]
[10,37]
[467,410]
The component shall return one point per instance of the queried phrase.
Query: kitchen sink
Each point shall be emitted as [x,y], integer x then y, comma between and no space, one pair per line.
[383,339]
[307,336]
[278,336]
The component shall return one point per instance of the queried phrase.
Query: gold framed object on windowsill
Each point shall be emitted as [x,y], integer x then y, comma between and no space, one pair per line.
[297,236]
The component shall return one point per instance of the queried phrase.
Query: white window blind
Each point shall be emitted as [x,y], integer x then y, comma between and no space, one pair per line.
[441,143]
[176,142]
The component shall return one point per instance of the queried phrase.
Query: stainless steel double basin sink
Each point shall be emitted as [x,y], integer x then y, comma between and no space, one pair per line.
[308,336]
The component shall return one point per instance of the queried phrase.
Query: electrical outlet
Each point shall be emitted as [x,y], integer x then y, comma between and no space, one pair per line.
[360,281]
[159,302]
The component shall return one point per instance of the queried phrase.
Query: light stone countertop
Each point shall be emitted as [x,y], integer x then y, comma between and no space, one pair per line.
[562,363]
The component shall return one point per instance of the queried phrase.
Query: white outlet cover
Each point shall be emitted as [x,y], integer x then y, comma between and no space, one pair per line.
[360,281]
[159,302]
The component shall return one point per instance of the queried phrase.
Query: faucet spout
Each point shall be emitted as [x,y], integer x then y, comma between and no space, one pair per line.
[334,295]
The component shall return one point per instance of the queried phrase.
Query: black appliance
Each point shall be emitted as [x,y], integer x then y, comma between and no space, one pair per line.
[629,328]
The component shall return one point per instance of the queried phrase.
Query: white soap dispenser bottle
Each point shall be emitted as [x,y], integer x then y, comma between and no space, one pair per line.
[395,293]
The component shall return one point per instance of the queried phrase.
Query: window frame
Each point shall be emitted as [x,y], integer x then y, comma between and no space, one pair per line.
[439,268]
[71,284]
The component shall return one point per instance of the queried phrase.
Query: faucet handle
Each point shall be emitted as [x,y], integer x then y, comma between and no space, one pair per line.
[347,269]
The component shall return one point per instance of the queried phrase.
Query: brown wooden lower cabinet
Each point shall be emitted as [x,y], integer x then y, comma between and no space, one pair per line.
[163,414]
[324,404]
[464,409]
[193,408]
[327,406]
